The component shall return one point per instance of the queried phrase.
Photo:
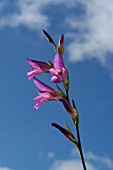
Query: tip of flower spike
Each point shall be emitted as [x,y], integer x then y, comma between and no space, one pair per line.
[61,40]
[61,45]
[49,38]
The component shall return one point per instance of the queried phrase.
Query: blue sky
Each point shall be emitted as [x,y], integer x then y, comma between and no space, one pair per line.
[27,140]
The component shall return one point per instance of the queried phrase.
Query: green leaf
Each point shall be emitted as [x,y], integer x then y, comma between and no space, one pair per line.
[69,130]
[74,106]
[67,127]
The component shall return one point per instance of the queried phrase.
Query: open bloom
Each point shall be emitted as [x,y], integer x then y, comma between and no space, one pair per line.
[47,94]
[59,71]
[37,67]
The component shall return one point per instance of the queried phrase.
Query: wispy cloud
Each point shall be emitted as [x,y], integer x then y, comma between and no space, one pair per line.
[4,168]
[88,24]
[50,155]
[70,164]
[92,33]
[93,162]
[105,161]
[30,13]
[2,5]
[45,156]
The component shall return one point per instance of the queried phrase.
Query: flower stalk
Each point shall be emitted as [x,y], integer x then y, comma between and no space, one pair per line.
[80,147]
[45,93]
[76,123]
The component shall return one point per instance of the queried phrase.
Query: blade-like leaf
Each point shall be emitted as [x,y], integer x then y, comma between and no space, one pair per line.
[67,127]
[74,106]
[60,91]
[49,38]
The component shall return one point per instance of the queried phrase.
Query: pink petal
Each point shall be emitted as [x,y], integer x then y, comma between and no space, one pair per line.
[40,102]
[32,73]
[53,71]
[43,87]
[58,62]
[45,94]
[55,79]
[38,64]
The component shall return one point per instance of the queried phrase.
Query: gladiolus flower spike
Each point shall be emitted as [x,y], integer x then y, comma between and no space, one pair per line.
[50,39]
[46,93]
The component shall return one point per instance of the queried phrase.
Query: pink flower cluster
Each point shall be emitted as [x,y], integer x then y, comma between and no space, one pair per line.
[59,75]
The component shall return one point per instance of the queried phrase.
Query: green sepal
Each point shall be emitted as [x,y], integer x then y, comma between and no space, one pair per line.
[75,119]
[67,127]
[60,49]
[50,39]
[61,92]
[74,105]
[50,63]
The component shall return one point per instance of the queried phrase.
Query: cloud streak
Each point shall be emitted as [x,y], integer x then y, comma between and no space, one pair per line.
[4,168]
[92,33]
[29,13]
[89,23]
[93,162]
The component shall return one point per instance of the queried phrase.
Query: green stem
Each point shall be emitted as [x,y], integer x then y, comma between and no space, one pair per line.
[80,147]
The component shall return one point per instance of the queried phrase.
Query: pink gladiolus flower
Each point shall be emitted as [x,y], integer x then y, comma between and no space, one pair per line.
[59,71]
[37,67]
[47,94]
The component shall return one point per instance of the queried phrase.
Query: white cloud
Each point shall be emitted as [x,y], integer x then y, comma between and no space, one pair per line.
[4,168]
[95,37]
[90,31]
[50,155]
[70,164]
[45,156]
[107,162]
[30,13]
[93,162]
